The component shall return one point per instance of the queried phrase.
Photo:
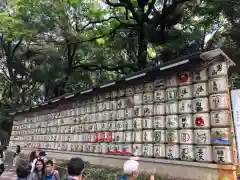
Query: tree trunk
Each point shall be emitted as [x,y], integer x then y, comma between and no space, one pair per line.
[142,48]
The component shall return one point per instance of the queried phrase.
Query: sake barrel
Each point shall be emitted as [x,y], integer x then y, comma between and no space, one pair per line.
[159,151]
[111,125]
[220,118]
[159,83]
[128,136]
[222,154]
[159,136]
[120,114]
[138,111]
[147,136]
[120,103]
[218,101]
[119,148]
[148,110]
[137,149]
[130,91]
[106,105]
[200,105]
[217,69]
[148,87]
[147,150]
[221,136]
[217,85]
[128,113]
[113,105]
[187,153]
[118,137]
[129,102]
[171,81]
[128,124]
[159,109]
[159,122]
[172,151]
[202,136]
[119,125]
[111,148]
[159,95]
[184,78]
[172,93]
[172,136]
[200,89]
[185,121]
[137,136]
[138,88]
[201,120]
[172,122]
[104,148]
[203,153]
[138,99]
[127,149]
[113,115]
[147,122]
[185,106]
[186,136]
[137,123]
[148,98]
[185,92]
[200,75]
[171,107]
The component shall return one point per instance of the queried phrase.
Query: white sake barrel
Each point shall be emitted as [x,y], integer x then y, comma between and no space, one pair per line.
[119,125]
[106,105]
[138,99]
[148,98]
[138,88]
[200,89]
[218,101]
[128,113]
[159,151]
[138,136]
[217,85]
[185,106]
[99,107]
[172,93]
[201,120]
[104,126]
[137,123]
[107,95]
[121,92]
[185,92]
[217,69]
[147,136]
[171,81]
[200,105]
[159,109]
[202,136]
[119,148]
[130,91]
[186,136]
[184,78]
[159,83]
[172,122]
[111,125]
[118,137]
[159,95]
[159,136]
[222,154]
[128,124]
[121,103]
[137,149]
[200,75]
[147,122]
[138,111]
[185,121]
[187,153]
[128,136]
[113,105]
[129,102]
[172,136]
[172,151]
[221,136]
[147,150]
[104,148]
[220,118]
[120,114]
[106,115]
[148,87]
[203,153]
[148,110]
[159,122]
[111,148]
[127,149]
[95,148]
[113,115]
[171,107]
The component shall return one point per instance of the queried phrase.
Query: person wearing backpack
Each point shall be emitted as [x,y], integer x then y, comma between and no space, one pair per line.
[51,174]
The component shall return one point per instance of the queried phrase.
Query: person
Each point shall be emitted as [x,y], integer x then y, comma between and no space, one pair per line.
[33,159]
[23,171]
[51,174]
[43,156]
[39,170]
[130,170]
[75,169]
[16,157]
[2,167]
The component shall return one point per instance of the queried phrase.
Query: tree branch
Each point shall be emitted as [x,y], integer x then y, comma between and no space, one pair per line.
[17,45]
[150,7]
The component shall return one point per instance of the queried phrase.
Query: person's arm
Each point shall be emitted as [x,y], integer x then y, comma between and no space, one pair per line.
[33,165]
[56,176]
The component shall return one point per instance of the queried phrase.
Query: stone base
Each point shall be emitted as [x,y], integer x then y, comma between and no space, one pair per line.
[162,167]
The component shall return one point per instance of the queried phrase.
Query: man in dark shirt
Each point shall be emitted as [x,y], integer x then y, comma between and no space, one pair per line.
[75,169]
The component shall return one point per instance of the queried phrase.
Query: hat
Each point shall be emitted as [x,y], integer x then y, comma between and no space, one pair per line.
[130,166]
[42,153]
